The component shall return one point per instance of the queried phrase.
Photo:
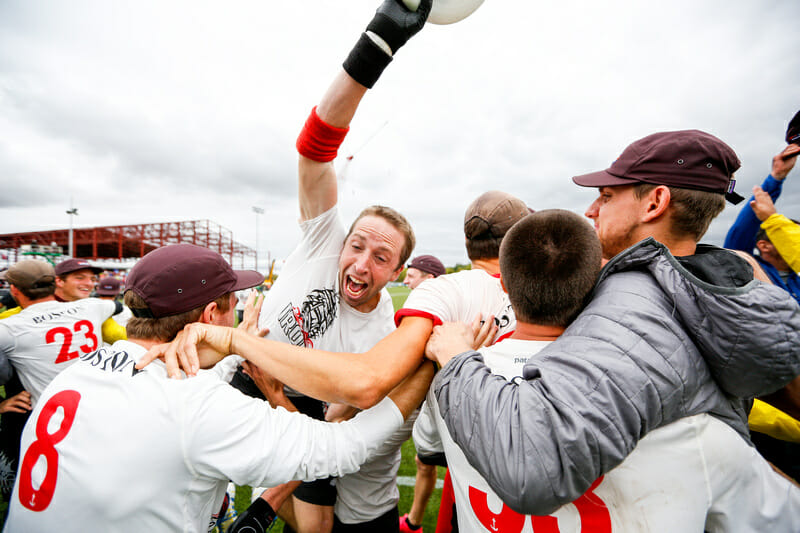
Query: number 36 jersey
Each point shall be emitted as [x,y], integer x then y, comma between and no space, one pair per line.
[45,338]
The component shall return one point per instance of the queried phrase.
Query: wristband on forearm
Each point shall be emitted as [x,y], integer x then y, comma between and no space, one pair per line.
[366,61]
[318,140]
[258,517]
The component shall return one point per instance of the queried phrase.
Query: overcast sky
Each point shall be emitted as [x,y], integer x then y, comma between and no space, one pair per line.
[153,111]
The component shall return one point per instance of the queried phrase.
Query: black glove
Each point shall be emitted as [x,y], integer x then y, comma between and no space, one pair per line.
[258,518]
[395,24]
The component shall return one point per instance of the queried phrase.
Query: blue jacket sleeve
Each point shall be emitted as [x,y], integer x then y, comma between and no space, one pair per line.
[742,235]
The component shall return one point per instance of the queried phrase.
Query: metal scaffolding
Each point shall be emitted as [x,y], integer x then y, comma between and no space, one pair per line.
[135,240]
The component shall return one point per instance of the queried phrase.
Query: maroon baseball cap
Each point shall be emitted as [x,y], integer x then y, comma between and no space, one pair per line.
[793,131]
[429,264]
[688,159]
[73,265]
[108,286]
[180,277]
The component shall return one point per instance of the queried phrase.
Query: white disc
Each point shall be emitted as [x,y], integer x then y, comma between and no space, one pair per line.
[450,11]
[447,11]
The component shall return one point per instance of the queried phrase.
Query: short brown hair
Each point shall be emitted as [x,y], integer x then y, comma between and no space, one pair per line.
[482,246]
[165,329]
[43,290]
[397,220]
[692,210]
[550,261]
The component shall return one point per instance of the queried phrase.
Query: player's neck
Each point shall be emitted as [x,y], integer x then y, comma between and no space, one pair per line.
[491,266]
[27,303]
[146,343]
[536,332]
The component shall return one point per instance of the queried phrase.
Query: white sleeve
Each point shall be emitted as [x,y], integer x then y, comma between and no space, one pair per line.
[427,439]
[104,308]
[769,503]
[226,368]
[435,298]
[231,436]
[322,235]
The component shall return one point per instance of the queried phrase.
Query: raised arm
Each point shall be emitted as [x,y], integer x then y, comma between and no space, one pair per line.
[742,234]
[330,120]
[327,125]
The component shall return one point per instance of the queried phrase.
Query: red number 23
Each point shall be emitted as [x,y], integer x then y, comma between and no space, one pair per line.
[66,340]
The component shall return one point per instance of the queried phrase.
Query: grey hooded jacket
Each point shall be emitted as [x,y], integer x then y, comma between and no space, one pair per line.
[659,340]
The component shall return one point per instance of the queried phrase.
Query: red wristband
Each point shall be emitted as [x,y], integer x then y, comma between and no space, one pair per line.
[320,141]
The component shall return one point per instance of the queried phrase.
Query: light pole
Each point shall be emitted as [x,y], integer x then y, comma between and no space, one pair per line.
[71,212]
[257,211]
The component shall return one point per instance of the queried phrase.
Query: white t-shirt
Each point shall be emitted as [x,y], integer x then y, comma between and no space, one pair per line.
[460,297]
[372,491]
[135,451]
[123,316]
[695,474]
[45,338]
[304,307]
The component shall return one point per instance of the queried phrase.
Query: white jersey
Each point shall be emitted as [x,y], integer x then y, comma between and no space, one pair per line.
[130,451]
[695,474]
[123,316]
[304,307]
[372,491]
[45,338]
[460,297]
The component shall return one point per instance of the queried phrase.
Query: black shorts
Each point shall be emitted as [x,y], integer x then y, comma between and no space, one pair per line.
[317,492]
[389,522]
[433,459]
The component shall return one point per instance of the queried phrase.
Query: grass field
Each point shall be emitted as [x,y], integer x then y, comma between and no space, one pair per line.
[407,466]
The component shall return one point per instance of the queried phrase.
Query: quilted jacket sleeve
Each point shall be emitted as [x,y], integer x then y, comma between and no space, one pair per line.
[585,401]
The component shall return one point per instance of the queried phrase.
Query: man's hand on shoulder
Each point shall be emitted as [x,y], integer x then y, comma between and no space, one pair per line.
[449,340]
[196,346]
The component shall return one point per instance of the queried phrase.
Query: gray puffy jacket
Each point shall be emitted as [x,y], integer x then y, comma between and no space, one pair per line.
[659,340]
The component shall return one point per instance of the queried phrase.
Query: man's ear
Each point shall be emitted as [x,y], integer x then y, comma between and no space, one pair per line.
[763,246]
[209,311]
[503,284]
[398,272]
[656,203]
[15,292]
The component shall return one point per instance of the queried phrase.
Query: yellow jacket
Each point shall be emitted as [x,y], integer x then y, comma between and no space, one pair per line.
[785,236]
[770,421]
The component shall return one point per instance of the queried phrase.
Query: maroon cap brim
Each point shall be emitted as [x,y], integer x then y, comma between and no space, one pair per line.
[602,178]
[246,279]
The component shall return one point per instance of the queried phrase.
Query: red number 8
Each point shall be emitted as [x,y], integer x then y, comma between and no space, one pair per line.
[44,445]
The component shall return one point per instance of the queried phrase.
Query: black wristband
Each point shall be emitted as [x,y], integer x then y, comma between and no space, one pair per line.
[366,62]
[260,516]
